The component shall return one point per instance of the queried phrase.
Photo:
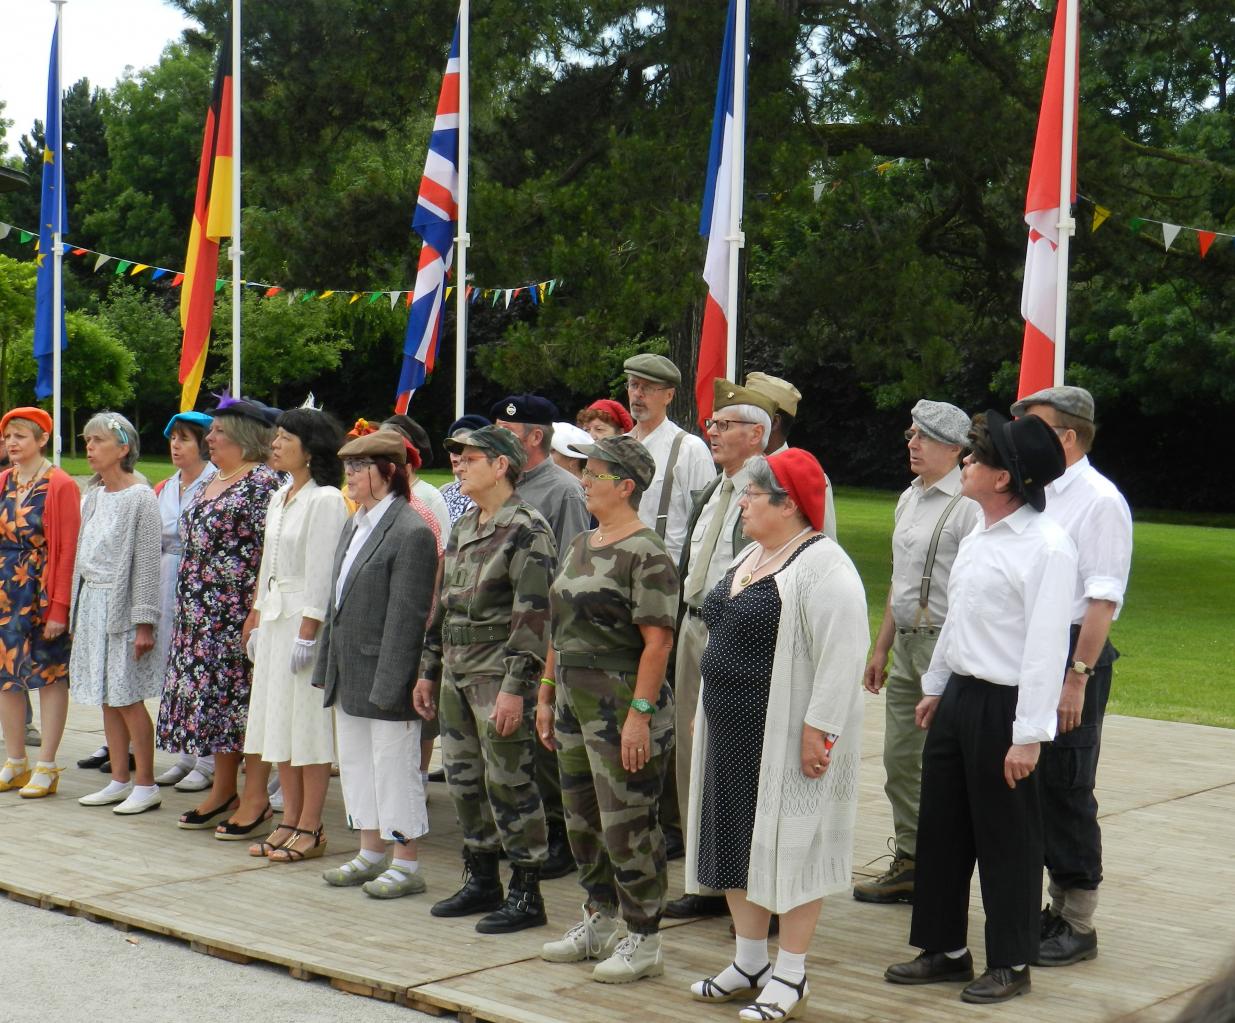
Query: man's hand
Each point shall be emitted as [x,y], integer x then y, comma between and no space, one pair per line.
[424,699]
[876,673]
[1071,702]
[1020,762]
[924,712]
[507,713]
[636,742]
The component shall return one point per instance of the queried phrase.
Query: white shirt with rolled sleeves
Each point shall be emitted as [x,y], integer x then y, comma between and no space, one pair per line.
[1009,601]
[829,502]
[366,519]
[917,514]
[1095,515]
[693,471]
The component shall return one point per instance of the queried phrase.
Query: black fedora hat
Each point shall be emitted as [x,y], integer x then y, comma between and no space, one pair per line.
[1030,451]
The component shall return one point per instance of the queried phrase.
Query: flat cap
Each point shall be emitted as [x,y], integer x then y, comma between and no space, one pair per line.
[628,455]
[653,367]
[942,422]
[379,444]
[780,391]
[726,393]
[525,408]
[1072,401]
[497,440]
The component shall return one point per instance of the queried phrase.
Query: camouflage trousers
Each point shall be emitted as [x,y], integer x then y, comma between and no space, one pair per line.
[491,778]
[610,812]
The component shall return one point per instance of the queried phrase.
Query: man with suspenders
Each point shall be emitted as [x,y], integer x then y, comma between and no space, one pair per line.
[931,520]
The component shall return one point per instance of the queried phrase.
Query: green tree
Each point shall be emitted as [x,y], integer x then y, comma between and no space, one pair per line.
[141,318]
[16,315]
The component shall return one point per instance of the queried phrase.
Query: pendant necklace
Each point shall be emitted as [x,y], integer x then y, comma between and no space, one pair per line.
[745,580]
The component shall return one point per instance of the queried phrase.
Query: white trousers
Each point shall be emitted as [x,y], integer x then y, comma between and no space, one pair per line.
[379,770]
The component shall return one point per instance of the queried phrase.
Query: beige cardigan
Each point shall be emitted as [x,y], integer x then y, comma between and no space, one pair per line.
[802,846]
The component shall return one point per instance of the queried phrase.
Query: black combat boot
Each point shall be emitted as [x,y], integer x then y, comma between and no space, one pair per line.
[481,891]
[560,862]
[523,908]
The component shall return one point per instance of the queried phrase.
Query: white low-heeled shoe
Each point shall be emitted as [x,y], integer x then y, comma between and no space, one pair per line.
[195,781]
[140,804]
[105,798]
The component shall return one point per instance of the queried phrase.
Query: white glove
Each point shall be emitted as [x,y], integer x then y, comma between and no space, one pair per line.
[250,648]
[302,654]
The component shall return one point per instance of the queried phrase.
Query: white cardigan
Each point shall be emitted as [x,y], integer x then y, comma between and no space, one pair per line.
[802,846]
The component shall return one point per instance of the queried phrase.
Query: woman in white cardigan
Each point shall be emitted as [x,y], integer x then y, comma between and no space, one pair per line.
[774,772]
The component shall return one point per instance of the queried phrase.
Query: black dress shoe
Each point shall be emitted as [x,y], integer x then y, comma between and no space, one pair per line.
[690,906]
[931,968]
[1064,946]
[99,759]
[675,848]
[997,984]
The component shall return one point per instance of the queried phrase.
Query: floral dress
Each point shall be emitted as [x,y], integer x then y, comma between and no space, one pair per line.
[27,659]
[205,704]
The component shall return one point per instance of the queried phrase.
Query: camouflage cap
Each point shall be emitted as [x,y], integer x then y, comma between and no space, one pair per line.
[653,367]
[726,393]
[627,454]
[780,391]
[1072,401]
[497,440]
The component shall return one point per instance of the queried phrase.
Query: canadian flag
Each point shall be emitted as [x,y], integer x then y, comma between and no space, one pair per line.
[1043,208]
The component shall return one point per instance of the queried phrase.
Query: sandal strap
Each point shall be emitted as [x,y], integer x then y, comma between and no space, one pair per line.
[711,989]
[772,1010]
[799,987]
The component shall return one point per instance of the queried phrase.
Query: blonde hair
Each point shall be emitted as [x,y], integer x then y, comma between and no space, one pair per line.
[253,437]
[117,427]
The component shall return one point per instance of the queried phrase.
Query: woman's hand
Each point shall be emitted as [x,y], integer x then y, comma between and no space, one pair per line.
[544,726]
[53,630]
[924,712]
[143,643]
[424,699]
[636,741]
[507,713]
[251,624]
[815,755]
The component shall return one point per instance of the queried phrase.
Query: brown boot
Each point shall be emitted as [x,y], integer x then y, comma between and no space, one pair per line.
[895,885]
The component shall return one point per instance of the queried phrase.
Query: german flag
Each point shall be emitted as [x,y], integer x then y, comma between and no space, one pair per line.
[212,221]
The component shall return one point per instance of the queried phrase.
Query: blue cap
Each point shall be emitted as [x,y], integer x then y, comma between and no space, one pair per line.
[525,408]
[199,419]
[471,421]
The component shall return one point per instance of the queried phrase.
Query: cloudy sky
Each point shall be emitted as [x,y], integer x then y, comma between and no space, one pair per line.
[101,39]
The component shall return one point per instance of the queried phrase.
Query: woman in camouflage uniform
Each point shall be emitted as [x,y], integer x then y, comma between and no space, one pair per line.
[614,605]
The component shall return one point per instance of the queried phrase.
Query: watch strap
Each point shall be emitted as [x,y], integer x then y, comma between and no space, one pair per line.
[642,706]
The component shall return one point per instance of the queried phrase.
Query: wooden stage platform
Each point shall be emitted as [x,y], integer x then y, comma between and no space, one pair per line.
[1167,920]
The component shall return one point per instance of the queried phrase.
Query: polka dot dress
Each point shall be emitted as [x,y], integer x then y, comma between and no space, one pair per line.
[737,673]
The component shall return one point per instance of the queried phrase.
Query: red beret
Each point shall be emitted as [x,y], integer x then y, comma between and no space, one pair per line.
[35,415]
[615,411]
[800,473]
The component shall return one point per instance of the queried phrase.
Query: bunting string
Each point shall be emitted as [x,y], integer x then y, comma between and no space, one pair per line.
[535,292]
[1205,237]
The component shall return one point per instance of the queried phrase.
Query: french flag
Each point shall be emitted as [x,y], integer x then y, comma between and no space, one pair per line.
[436,221]
[714,225]
[1043,205]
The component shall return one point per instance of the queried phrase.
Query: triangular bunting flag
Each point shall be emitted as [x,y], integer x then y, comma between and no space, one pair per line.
[138,269]
[272,291]
[533,292]
[407,299]
[394,298]
[354,299]
[375,295]
[159,272]
[540,290]
[292,296]
[76,252]
[1169,233]
[1100,216]
[177,280]
[324,295]
[449,291]
[510,293]
[24,236]
[1135,224]
[308,295]
[496,296]
[220,284]
[817,190]
[1205,239]
[4,230]
[122,266]
[98,263]
[552,285]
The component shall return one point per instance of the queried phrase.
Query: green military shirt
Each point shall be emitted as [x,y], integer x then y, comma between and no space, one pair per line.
[492,619]
[602,595]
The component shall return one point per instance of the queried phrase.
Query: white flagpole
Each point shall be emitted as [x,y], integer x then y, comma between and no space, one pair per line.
[735,237]
[464,239]
[235,251]
[1067,223]
[57,243]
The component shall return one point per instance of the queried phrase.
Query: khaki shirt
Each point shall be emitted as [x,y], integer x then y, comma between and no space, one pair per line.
[917,513]
[726,549]
[692,472]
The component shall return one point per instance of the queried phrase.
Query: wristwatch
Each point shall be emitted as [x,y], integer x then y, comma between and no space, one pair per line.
[642,706]
[1081,668]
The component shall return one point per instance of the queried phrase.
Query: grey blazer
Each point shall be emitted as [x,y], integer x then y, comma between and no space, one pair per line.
[371,639]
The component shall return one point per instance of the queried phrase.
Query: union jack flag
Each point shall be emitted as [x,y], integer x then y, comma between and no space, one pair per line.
[436,221]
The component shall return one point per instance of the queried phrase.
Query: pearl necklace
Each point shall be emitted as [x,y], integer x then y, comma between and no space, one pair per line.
[224,477]
[746,579]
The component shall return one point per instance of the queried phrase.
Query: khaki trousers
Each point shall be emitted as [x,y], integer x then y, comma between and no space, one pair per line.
[692,638]
[902,738]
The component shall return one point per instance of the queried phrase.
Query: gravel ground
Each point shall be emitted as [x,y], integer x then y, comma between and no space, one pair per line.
[71,970]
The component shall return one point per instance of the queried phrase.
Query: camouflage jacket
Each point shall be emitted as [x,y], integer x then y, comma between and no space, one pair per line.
[492,621]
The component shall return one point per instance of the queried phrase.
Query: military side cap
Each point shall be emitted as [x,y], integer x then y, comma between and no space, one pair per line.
[653,367]
[379,444]
[497,440]
[726,393]
[627,454]
[780,391]
[1030,451]
[942,422]
[525,408]
[1072,401]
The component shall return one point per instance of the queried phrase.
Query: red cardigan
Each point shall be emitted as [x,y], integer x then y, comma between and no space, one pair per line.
[61,523]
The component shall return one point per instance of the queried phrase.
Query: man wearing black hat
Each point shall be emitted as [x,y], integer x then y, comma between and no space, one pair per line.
[1096,517]
[991,694]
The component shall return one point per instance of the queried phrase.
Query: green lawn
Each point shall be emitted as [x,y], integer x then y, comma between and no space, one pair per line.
[1175,633]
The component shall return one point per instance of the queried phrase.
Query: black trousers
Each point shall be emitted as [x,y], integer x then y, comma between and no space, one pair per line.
[969,814]
[1069,769]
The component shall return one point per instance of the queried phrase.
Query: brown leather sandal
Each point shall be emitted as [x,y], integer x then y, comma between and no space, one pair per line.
[288,853]
[269,844]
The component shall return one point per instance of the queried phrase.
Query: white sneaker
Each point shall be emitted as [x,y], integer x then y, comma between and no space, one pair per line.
[195,781]
[105,798]
[637,956]
[173,775]
[594,937]
[140,804]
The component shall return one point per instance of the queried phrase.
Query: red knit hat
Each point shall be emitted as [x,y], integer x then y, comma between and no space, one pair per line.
[800,473]
[616,411]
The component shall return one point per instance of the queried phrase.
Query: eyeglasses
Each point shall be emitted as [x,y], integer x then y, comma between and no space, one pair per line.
[602,475]
[643,387]
[912,435]
[357,464]
[749,491]
[722,425]
[469,459]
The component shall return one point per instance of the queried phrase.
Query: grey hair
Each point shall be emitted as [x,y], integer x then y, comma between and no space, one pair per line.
[755,415]
[119,429]
[762,478]
[253,437]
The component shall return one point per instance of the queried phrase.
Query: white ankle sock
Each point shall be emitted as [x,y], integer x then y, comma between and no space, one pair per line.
[186,762]
[790,968]
[8,773]
[44,766]
[751,954]
[145,791]
[411,866]
[958,953]
[112,787]
[369,856]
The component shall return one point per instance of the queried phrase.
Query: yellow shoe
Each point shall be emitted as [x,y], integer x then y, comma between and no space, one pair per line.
[20,771]
[44,781]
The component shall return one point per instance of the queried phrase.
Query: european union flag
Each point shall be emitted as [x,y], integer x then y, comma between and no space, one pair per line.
[53,217]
